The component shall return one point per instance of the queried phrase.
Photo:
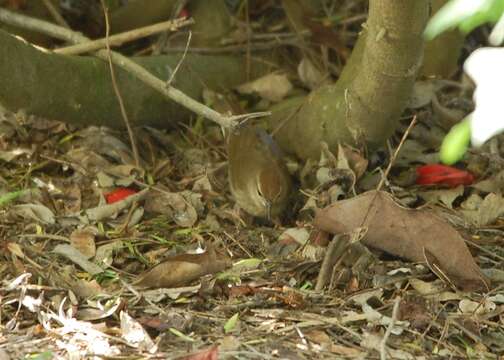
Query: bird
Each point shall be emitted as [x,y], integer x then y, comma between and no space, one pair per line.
[258,176]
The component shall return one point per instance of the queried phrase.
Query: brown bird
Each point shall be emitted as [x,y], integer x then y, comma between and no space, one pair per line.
[258,176]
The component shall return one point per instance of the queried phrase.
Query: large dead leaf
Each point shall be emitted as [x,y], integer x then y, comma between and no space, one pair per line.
[410,234]
[182,269]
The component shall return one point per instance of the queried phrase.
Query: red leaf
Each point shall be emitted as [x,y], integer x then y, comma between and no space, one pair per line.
[118,195]
[441,174]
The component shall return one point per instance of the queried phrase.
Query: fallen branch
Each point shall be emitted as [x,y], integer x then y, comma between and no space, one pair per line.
[135,69]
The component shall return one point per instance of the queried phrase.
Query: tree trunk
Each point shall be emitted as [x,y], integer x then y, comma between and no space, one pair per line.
[364,105]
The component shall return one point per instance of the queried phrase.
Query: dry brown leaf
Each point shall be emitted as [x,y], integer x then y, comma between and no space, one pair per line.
[73,199]
[422,94]
[273,87]
[84,241]
[135,335]
[110,210]
[405,233]
[319,337]
[211,353]
[485,212]
[357,162]
[85,289]
[35,212]
[309,74]
[76,257]
[173,205]
[182,269]
[494,184]
[443,196]
[85,160]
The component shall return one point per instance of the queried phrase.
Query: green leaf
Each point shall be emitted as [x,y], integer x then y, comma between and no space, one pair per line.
[456,142]
[46,355]
[9,197]
[247,264]
[491,13]
[451,15]
[181,335]
[466,14]
[231,323]
[307,285]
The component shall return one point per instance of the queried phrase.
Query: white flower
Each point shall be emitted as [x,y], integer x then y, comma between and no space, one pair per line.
[486,67]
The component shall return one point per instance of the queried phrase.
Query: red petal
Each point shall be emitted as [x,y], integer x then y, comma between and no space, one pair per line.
[442,174]
[118,195]
[435,169]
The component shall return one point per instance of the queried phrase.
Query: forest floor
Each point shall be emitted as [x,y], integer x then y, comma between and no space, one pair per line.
[102,258]
[78,279]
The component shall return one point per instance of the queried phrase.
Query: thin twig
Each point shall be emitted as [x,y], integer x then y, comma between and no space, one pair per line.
[396,152]
[117,91]
[119,39]
[172,76]
[383,343]
[126,64]
[55,13]
[244,249]
[242,48]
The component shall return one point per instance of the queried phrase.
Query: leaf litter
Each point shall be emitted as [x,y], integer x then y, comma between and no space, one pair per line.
[86,277]
[81,268]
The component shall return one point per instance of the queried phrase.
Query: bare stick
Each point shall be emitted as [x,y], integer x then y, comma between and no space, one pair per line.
[117,91]
[174,73]
[335,250]
[126,64]
[383,343]
[55,13]
[119,39]
[396,152]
